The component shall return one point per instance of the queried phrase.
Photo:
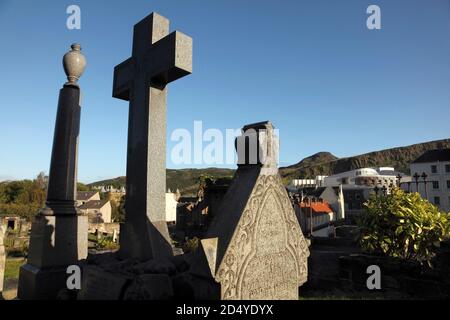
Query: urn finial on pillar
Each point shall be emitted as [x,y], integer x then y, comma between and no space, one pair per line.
[74,63]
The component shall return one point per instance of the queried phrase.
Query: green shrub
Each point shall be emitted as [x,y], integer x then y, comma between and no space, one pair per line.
[191,245]
[403,225]
[106,243]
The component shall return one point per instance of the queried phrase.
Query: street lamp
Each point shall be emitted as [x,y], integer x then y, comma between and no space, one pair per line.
[424,177]
[416,178]
[376,189]
[391,187]
[399,177]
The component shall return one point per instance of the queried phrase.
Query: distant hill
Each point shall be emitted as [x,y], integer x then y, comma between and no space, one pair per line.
[322,163]
[184,179]
[325,163]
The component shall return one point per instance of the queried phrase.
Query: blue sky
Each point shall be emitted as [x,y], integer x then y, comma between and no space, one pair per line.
[311,67]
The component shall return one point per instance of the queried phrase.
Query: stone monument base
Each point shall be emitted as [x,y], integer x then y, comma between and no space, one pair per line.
[108,277]
[56,242]
[41,283]
[157,244]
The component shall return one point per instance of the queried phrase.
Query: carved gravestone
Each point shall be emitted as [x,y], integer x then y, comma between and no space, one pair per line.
[254,247]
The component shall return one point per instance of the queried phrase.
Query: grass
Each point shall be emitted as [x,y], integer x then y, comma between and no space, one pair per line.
[12,268]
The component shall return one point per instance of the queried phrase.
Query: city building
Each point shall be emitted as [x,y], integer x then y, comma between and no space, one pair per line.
[86,196]
[346,192]
[333,196]
[297,184]
[432,170]
[171,206]
[98,211]
[383,176]
[315,215]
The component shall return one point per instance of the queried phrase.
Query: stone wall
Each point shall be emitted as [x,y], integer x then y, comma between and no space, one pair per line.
[399,278]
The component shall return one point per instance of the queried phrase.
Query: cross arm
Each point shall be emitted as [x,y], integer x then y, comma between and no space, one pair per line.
[167,60]
[170,58]
[123,76]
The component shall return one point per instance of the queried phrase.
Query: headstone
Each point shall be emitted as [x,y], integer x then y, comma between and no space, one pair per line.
[254,247]
[150,287]
[158,58]
[2,257]
[59,232]
[100,285]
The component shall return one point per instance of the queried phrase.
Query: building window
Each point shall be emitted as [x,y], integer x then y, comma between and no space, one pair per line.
[447,168]
[433,169]
[448,184]
[435,184]
[437,201]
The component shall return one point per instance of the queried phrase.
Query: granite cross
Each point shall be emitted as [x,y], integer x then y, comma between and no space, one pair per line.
[158,58]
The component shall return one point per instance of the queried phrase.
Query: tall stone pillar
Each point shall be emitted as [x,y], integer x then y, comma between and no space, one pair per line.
[59,232]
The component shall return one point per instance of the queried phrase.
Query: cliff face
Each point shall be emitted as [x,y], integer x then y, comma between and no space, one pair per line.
[399,158]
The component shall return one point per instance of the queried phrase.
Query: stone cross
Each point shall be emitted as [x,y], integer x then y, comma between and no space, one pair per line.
[158,58]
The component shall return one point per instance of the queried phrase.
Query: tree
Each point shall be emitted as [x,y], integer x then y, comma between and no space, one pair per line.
[118,211]
[23,198]
[403,225]
[82,187]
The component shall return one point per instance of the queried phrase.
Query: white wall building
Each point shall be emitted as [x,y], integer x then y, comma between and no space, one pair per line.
[383,176]
[171,207]
[436,165]
[297,184]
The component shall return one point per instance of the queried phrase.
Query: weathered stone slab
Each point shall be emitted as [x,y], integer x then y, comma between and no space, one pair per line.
[255,248]
[97,284]
[150,287]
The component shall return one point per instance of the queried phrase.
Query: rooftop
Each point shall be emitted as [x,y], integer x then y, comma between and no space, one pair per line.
[93,204]
[434,156]
[85,195]
[317,207]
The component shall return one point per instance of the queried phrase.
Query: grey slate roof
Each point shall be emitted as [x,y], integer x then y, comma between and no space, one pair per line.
[85,195]
[434,156]
[93,204]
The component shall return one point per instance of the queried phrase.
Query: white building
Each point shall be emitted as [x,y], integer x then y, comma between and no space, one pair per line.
[171,206]
[98,211]
[436,165]
[297,184]
[383,176]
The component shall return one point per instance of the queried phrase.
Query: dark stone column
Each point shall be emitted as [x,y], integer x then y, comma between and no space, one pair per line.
[59,232]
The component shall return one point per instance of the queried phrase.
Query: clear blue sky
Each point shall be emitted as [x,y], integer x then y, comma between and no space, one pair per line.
[311,67]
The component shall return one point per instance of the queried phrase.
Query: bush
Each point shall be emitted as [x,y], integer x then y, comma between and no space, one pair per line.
[403,225]
[106,243]
[191,245]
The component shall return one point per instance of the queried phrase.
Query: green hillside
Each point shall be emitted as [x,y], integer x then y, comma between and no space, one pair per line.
[322,163]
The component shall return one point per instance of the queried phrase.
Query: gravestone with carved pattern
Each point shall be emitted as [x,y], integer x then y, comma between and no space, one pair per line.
[254,247]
